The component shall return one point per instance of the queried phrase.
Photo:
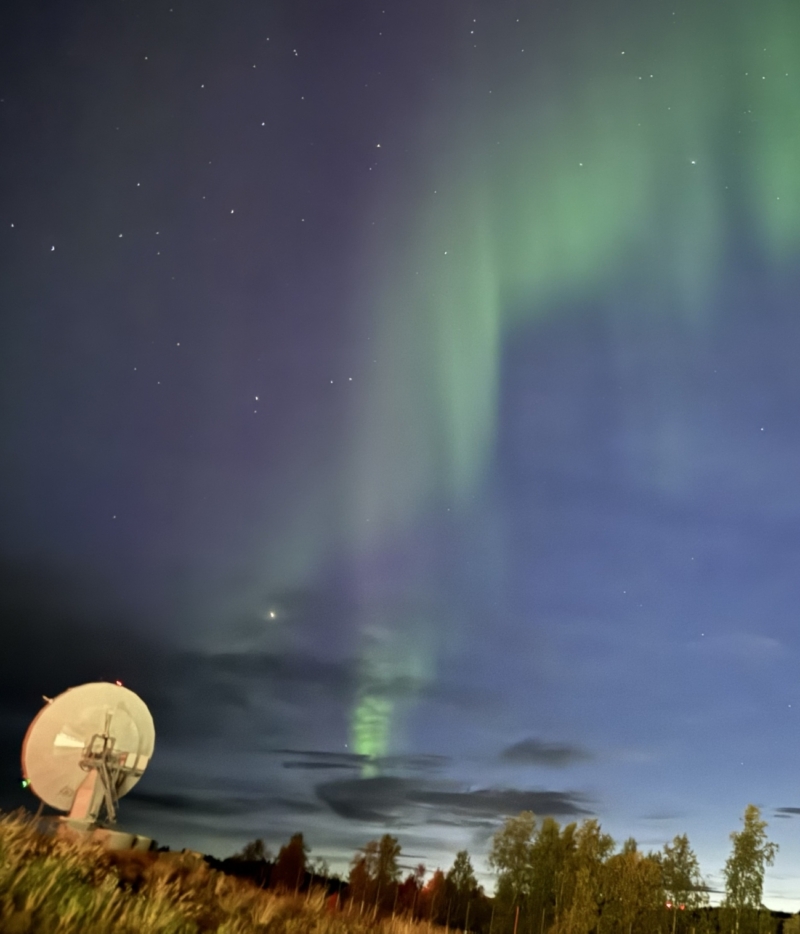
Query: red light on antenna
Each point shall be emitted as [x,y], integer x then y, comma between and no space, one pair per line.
[118,684]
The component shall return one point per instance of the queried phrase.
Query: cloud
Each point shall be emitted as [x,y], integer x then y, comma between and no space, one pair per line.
[490,802]
[420,762]
[313,760]
[193,804]
[218,805]
[537,752]
[474,823]
[382,798]
[313,765]
[390,799]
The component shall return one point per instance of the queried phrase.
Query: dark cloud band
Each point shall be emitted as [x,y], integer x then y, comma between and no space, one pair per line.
[389,799]
[536,752]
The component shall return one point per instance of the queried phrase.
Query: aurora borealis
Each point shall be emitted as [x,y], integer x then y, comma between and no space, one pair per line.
[615,167]
[622,170]
[390,387]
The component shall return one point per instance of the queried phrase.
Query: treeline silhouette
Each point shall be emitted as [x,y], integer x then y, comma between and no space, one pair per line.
[551,879]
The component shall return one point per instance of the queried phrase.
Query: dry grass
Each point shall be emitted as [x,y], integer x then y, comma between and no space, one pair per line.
[52,885]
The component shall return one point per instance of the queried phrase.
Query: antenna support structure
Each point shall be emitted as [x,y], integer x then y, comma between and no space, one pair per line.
[107,771]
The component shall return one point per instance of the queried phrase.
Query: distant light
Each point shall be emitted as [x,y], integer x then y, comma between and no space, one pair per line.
[25,782]
[272,614]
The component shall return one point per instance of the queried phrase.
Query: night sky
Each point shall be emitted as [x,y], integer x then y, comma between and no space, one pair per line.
[401,396]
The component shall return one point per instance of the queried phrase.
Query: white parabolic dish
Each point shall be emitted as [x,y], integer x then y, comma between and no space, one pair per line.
[56,739]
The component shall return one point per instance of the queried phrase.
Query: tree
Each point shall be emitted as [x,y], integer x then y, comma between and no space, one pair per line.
[462,883]
[632,891]
[385,868]
[684,886]
[564,874]
[254,852]
[461,875]
[592,847]
[433,898]
[744,869]
[409,891]
[550,854]
[382,856]
[510,855]
[374,872]
[358,881]
[290,868]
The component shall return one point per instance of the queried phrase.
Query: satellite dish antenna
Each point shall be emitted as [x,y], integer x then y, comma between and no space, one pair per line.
[87,748]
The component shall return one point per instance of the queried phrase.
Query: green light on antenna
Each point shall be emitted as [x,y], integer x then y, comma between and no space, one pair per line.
[25,782]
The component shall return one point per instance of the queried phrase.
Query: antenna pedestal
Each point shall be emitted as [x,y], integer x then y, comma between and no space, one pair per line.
[88,798]
[108,837]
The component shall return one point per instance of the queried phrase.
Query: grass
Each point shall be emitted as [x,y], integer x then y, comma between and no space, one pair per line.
[53,885]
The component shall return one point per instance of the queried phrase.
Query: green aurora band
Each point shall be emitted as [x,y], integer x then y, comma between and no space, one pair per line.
[615,163]
[633,173]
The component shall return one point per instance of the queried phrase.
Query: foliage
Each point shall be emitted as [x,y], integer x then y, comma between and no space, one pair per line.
[592,846]
[461,875]
[632,890]
[382,856]
[570,880]
[744,869]
[462,887]
[434,898]
[374,874]
[290,867]
[550,853]
[254,852]
[574,881]
[510,854]
[408,896]
[680,875]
